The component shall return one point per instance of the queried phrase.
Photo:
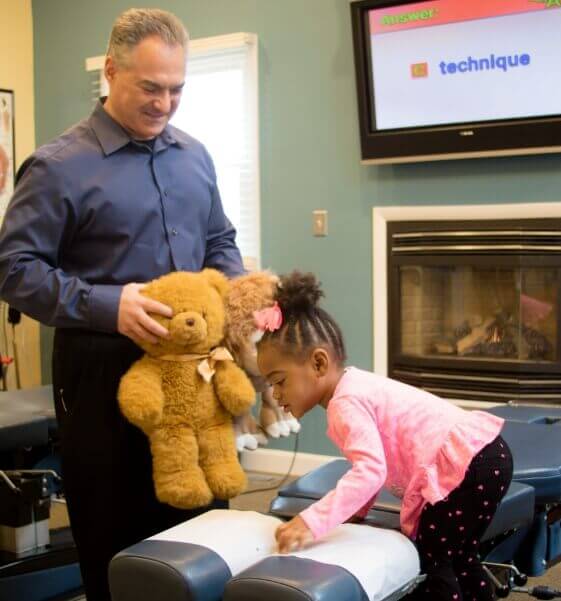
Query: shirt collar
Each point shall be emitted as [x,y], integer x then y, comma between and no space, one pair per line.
[341,382]
[169,136]
[112,136]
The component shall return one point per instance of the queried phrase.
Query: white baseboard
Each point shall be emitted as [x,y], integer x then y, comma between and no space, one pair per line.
[273,461]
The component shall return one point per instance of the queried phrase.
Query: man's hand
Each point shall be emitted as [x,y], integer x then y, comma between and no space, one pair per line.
[293,535]
[133,320]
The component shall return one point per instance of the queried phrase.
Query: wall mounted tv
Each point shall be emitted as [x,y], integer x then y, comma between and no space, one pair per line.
[449,79]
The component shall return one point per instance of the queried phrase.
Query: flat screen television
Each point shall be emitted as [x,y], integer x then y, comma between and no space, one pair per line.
[448,79]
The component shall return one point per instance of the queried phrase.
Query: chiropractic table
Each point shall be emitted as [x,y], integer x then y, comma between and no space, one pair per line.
[36,564]
[229,555]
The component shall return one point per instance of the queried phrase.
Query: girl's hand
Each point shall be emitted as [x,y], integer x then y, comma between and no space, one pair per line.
[293,535]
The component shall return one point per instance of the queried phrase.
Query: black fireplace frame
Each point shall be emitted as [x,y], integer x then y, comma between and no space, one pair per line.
[512,243]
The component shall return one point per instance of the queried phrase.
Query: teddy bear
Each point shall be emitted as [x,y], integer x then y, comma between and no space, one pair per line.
[183,392]
[247,296]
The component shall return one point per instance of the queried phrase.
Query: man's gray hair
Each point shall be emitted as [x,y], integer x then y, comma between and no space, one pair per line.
[136,24]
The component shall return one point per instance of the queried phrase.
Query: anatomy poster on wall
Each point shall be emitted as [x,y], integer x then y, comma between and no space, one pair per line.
[7,149]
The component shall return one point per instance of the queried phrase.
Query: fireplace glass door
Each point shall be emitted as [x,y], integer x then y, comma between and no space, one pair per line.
[469,312]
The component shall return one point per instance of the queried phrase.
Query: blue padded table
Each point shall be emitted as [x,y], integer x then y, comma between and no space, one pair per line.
[534,435]
[19,429]
[519,532]
[27,417]
[522,531]
[516,510]
[35,403]
[225,555]
[230,556]
[27,420]
[528,414]
[536,450]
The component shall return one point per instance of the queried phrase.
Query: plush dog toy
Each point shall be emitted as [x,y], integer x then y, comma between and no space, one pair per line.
[247,296]
[183,392]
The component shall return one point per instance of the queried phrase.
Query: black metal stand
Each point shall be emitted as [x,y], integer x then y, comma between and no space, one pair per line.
[515,582]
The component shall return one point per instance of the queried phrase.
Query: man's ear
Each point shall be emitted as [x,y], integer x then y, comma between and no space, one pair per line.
[320,361]
[109,69]
[217,280]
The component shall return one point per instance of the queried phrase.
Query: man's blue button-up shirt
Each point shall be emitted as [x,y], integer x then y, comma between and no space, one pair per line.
[94,210]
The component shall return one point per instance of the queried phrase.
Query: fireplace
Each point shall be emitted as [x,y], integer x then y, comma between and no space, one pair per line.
[474,308]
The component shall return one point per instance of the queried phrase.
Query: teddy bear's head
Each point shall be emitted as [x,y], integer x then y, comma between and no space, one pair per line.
[247,294]
[197,301]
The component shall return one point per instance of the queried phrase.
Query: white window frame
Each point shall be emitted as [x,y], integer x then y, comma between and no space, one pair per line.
[200,47]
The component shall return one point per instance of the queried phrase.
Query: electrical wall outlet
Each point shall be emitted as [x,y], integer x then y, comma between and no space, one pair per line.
[320,222]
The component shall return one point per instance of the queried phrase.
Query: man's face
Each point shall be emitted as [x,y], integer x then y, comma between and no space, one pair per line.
[145,91]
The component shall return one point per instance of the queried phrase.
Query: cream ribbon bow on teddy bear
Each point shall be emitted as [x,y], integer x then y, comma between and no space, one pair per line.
[206,367]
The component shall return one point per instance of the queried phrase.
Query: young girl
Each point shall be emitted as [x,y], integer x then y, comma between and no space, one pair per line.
[450,466]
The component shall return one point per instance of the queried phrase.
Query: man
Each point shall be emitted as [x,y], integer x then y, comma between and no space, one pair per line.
[120,198]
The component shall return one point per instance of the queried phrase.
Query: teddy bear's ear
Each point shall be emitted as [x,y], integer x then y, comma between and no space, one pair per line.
[273,277]
[217,280]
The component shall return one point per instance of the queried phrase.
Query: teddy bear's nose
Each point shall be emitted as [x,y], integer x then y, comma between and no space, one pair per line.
[190,322]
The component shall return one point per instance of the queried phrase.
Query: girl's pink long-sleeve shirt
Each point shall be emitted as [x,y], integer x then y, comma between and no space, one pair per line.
[417,445]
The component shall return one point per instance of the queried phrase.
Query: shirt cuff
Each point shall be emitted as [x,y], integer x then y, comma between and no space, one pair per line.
[104,307]
[315,525]
[363,512]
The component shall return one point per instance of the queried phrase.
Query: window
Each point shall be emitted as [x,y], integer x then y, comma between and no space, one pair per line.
[219,107]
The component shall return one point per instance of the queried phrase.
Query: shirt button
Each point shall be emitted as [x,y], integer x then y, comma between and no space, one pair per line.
[174,232]
[165,193]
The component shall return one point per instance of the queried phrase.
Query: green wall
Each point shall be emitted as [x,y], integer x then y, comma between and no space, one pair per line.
[309,144]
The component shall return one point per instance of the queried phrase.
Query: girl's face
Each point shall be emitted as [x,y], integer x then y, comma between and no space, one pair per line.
[298,386]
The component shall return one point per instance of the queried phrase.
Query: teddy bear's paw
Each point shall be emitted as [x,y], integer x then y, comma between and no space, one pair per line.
[293,424]
[273,430]
[186,491]
[226,480]
[278,429]
[144,415]
[262,439]
[250,442]
[148,419]
[240,442]
[238,404]
[246,441]
[284,428]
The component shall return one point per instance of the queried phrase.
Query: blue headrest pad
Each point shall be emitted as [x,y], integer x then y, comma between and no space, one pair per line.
[19,429]
[515,511]
[26,417]
[294,579]
[288,507]
[154,570]
[536,450]
[320,481]
[548,416]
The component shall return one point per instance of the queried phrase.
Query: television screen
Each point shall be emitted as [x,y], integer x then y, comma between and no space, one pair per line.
[467,78]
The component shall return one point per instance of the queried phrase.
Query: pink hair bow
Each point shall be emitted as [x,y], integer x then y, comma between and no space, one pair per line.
[268,319]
